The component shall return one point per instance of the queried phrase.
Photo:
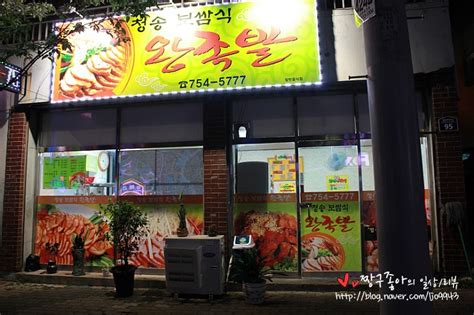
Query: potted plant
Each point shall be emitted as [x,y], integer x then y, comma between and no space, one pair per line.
[127,225]
[249,269]
[52,251]
[182,229]
[78,255]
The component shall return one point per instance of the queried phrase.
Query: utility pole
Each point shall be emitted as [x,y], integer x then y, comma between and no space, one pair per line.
[401,222]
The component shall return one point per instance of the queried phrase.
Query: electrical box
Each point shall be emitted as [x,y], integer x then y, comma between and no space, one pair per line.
[195,265]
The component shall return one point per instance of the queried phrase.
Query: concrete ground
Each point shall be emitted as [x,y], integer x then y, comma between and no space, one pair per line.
[30,298]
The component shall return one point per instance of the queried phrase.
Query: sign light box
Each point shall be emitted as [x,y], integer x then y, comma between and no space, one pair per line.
[194,49]
[9,72]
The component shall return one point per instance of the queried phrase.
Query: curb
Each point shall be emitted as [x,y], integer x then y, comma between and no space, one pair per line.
[159,281]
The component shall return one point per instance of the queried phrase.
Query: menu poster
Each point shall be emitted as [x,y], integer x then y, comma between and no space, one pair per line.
[337,182]
[283,167]
[330,229]
[57,171]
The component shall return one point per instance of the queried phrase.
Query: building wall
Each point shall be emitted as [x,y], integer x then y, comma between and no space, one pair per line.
[341,47]
[11,249]
[449,176]
[426,36]
[6,101]
[430,34]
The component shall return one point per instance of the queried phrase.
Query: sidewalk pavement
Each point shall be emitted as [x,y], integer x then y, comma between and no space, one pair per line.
[29,298]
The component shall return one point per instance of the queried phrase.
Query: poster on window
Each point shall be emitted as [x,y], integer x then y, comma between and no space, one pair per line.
[330,229]
[60,218]
[272,221]
[63,171]
[163,221]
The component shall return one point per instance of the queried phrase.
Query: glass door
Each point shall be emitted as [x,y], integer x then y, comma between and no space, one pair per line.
[330,212]
[265,201]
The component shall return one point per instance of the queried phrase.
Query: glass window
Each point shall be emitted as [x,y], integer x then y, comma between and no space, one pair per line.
[163,123]
[325,115]
[78,128]
[169,171]
[268,117]
[330,216]
[265,201]
[324,164]
[72,187]
[77,173]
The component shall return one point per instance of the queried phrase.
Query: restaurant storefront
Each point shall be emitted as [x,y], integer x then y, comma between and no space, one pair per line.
[320,219]
[230,110]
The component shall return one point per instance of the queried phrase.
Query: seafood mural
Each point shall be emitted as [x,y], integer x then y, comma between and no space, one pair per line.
[274,230]
[56,225]
[60,222]
[163,222]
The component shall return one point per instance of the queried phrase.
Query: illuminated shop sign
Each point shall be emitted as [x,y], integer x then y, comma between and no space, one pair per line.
[9,72]
[202,48]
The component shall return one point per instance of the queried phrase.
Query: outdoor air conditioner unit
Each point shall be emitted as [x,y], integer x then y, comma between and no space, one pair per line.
[195,265]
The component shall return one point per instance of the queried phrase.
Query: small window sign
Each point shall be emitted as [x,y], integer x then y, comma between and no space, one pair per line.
[448,123]
[9,72]
[243,242]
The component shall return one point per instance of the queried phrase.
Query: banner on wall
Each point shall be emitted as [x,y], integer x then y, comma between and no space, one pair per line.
[271,219]
[227,46]
[59,218]
[330,232]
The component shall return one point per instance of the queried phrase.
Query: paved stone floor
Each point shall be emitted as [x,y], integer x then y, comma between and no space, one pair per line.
[28,298]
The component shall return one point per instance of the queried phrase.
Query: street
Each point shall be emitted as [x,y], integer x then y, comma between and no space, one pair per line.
[29,298]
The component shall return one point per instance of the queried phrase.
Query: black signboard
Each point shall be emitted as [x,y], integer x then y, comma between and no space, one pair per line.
[9,72]
[448,123]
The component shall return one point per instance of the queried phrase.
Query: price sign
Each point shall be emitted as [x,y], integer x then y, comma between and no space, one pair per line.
[449,123]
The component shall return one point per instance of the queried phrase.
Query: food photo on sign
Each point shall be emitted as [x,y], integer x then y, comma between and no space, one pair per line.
[330,229]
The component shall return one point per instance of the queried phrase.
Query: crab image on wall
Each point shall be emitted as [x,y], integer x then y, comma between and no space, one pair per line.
[274,234]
